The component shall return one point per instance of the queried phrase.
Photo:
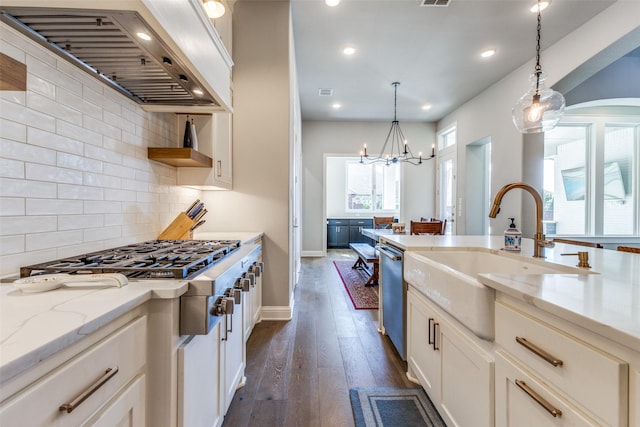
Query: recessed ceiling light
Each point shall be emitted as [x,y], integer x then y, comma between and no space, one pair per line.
[143,36]
[426,107]
[488,53]
[332,3]
[543,5]
[336,106]
[349,50]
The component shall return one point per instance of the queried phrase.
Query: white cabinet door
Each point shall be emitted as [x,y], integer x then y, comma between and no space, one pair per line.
[467,380]
[233,347]
[198,380]
[222,142]
[634,398]
[524,401]
[127,410]
[422,356]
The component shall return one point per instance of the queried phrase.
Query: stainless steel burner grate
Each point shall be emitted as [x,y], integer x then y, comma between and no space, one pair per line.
[177,259]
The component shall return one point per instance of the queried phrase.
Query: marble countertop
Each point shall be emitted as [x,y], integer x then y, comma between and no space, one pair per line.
[34,326]
[607,303]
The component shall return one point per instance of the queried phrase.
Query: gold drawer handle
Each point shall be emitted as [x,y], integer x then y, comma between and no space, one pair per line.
[108,374]
[539,352]
[539,399]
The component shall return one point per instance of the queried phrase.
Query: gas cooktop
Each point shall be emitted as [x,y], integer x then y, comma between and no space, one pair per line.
[154,259]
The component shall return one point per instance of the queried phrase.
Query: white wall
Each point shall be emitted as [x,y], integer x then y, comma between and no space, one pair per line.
[340,138]
[489,114]
[261,141]
[74,173]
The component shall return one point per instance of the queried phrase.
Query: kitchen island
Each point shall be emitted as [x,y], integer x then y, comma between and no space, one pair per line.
[566,346]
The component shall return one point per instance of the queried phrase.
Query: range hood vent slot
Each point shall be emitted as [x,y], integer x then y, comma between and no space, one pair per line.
[104,44]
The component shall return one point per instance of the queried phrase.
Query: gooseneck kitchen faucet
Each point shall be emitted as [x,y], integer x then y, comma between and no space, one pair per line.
[539,240]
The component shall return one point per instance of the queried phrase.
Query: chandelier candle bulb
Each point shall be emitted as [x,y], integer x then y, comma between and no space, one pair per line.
[433,150]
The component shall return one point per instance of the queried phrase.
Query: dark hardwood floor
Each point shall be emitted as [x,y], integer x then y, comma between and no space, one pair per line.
[299,372]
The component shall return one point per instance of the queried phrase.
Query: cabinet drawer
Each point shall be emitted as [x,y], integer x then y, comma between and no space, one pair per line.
[337,222]
[596,380]
[524,401]
[125,350]
[366,223]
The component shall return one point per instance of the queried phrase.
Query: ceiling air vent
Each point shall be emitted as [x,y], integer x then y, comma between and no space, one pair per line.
[434,2]
[325,92]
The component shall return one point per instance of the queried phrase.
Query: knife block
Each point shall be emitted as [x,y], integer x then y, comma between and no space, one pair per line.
[179,229]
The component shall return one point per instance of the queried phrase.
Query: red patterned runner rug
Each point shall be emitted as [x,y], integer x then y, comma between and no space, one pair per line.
[363,298]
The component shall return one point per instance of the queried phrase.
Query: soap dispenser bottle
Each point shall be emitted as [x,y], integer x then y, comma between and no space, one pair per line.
[512,237]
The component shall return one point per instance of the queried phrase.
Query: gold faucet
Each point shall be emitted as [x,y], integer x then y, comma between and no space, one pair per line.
[539,241]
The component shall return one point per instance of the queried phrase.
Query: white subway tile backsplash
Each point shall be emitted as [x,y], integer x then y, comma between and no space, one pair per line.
[11,206]
[11,245]
[75,222]
[39,241]
[72,131]
[41,86]
[48,71]
[75,174]
[11,168]
[53,141]
[26,152]
[102,207]
[101,127]
[21,114]
[102,233]
[119,171]
[36,172]
[67,191]
[100,180]
[71,161]
[12,225]
[10,187]
[119,195]
[76,102]
[48,106]
[100,153]
[120,121]
[54,207]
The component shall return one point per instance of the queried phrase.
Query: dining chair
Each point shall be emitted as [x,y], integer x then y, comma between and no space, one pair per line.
[382,222]
[426,227]
[444,223]
[629,249]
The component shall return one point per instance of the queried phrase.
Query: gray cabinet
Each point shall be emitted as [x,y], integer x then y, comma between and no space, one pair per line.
[341,232]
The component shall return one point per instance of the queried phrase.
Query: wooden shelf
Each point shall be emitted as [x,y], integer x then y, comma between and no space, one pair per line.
[179,157]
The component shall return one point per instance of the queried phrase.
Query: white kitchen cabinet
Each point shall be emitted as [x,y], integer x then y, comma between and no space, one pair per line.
[565,367]
[232,350]
[199,399]
[522,400]
[634,398]
[215,140]
[109,373]
[456,372]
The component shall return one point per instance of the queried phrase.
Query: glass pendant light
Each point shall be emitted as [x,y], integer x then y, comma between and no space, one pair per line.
[215,9]
[540,109]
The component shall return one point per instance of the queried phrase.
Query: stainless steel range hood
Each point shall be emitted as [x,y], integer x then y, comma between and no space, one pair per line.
[107,45]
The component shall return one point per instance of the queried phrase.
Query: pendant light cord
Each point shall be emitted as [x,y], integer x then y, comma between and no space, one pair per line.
[538,67]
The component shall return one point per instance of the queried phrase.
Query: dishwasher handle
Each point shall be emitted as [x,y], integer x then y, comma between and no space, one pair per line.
[390,253]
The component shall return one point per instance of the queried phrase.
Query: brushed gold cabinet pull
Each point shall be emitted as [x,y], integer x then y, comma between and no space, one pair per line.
[219,168]
[539,399]
[539,352]
[108,374]
[435,336]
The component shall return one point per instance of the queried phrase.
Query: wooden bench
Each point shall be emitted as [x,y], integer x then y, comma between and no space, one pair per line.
[366,254]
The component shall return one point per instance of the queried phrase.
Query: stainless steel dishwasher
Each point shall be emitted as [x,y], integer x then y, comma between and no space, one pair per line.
[394,297]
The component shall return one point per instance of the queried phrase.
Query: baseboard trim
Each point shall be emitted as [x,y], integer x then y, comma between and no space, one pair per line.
[311,254]
[277,313]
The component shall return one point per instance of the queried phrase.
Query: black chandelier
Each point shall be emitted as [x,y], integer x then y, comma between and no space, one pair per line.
[399,151]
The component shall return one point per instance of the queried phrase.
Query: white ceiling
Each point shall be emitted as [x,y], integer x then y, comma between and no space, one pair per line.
[434,52]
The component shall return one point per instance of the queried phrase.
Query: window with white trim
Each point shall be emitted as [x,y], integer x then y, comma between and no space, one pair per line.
[372,188]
